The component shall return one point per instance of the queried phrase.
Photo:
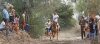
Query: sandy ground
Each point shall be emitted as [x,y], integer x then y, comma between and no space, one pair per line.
[70,36]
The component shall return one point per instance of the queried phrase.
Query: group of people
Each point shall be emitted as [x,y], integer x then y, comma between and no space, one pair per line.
[10,21]
[93,27]
[49,23]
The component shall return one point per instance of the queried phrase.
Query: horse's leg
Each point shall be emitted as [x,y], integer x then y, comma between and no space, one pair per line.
[57,34]
[53,34]
[50,34]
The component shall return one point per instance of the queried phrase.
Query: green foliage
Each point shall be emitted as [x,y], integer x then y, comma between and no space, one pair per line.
[81,6]
[41,10]
[65,13]
[18,6]
[0,17]
[40,14]
[94,7]
[88,6]
[73,0]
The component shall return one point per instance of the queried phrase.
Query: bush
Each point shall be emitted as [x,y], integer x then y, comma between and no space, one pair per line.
[65,13]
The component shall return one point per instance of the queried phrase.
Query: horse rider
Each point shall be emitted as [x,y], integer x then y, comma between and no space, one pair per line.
[82,23]
[55,19]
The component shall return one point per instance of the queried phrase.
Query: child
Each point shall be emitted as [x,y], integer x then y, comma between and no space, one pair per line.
[16,24]
[48,25]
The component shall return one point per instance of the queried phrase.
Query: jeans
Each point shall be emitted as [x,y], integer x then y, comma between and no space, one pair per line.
[91,35]
[7,31]
[48,29]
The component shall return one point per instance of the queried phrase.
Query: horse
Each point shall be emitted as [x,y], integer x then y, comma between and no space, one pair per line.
[87,28]
[54,29]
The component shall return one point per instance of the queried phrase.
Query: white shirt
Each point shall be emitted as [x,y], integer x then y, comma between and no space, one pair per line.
[55,17]
[10,14]
[15,20]
[2,25]
[48,24]
[23,15]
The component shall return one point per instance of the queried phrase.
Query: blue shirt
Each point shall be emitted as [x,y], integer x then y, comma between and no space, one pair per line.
[6,13]
[92,27]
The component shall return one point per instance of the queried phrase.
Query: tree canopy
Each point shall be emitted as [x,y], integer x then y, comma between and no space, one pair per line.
[65,12]
[91,7]
[41,10]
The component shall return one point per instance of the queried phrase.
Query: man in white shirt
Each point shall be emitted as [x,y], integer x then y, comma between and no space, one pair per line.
[3,26]
[55,18]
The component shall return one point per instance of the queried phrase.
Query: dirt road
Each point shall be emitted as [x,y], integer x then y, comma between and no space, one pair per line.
[70,36]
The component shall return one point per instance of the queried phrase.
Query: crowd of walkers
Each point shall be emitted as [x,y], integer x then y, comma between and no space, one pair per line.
[92,28]
[10,20]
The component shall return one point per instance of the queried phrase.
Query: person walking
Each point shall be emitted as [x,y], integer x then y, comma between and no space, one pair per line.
[48,26]
[82,23]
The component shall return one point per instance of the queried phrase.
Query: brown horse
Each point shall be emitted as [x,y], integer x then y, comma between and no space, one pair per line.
[87,28]
[54,30]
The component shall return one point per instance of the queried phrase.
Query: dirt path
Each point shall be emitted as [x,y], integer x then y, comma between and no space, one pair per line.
[70,36]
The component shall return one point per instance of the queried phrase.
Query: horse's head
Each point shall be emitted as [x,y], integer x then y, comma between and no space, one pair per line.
[54,25]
